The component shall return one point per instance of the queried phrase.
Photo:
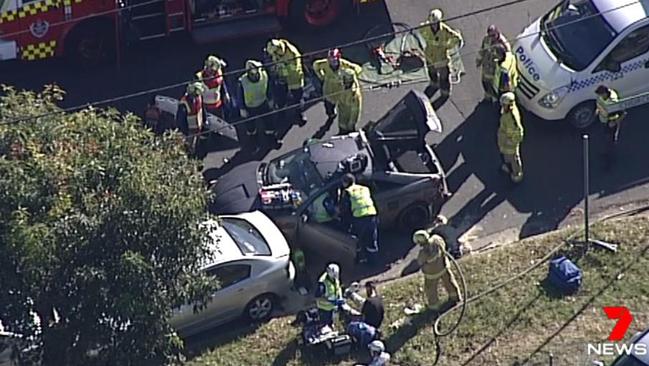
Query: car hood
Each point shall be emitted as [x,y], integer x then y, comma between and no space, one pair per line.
[535,61]
[237,191]
[413,117]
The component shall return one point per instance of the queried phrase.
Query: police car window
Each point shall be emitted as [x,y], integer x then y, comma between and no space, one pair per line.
[229,275]
[632,46]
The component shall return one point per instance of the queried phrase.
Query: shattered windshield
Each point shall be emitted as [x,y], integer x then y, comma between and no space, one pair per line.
[295,168]
[565,28]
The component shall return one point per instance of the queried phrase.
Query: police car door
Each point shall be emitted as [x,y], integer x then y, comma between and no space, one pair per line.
[42,22]
[628,62]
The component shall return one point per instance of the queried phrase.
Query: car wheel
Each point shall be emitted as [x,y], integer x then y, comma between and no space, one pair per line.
[91,44]
[415,216]
[583,115]
[260,308]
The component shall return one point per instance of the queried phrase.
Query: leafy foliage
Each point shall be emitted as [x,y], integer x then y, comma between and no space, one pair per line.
[99,232]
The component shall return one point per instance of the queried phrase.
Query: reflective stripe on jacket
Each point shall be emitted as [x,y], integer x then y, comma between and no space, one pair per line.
[213,85]
[510,132]
[333,292]
[254,94]
[194,108]
[332,80]
[439,44]
[361,201]
[289,66]
[506,75]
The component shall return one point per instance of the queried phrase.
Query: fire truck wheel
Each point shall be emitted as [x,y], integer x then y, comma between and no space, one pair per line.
[91,44]
[314,13]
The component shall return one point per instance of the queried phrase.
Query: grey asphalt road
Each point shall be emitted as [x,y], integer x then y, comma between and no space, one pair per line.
[483,202]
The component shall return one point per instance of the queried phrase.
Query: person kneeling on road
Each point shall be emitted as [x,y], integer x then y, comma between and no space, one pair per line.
[435,267]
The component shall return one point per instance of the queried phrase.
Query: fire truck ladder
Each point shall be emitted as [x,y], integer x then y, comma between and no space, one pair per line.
[149,21]
[626,103]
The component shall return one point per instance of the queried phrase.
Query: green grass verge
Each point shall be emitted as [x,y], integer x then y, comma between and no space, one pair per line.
[519,324]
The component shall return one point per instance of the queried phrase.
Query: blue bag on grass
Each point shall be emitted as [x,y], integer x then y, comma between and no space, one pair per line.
[564,275]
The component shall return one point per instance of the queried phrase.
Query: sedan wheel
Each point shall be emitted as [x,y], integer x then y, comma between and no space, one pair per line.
[414,217]
[260,308]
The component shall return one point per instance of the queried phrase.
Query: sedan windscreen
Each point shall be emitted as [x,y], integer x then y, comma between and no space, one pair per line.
[297,169]
[247,237]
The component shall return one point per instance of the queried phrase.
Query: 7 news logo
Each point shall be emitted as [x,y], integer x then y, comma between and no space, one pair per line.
[624,319]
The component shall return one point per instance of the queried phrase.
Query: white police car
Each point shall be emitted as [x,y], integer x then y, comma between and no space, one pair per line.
[578,45]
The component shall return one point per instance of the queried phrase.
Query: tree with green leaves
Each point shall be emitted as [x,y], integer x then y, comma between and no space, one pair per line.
[99,232]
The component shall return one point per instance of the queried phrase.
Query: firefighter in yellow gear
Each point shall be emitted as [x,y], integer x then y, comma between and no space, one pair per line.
[435,266]
[487,56]
[288,75]
[329,72]
[215,93]
[510,136]
[506,74]
[440,41]
[191,115]
[350,102]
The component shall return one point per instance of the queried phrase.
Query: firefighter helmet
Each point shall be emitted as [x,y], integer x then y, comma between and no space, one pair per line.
[275,47]
[507,98]
[420,237]
[214,63]
[435,16]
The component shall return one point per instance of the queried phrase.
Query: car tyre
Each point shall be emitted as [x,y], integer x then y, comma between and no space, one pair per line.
[583,115]
[415,216]
[260,309]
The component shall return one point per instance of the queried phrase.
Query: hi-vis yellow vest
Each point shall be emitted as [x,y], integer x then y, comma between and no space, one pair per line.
[319,211]
[332,293]
[361,199]
[508,67]
[254,94]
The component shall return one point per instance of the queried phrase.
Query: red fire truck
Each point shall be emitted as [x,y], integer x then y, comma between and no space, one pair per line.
[89,31]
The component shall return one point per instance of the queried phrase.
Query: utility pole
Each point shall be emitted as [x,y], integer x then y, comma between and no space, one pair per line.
[587,241]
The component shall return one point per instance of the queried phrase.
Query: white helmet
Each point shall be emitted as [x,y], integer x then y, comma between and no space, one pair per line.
[435,16]
[333,270]
[376,346]
[507,98]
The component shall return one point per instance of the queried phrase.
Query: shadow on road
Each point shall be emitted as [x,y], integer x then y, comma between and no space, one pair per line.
[552,163]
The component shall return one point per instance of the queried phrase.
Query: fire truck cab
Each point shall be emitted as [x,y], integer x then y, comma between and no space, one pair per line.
[89,31]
